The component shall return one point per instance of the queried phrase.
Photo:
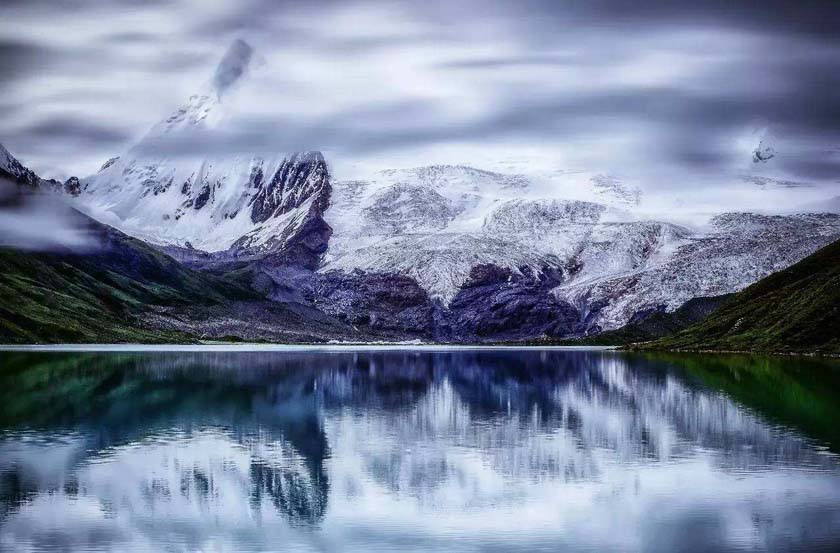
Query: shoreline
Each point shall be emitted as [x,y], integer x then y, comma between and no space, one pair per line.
[213,346]
[730,352]
[262,347]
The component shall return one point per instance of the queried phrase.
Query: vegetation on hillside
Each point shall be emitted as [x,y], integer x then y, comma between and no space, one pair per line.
[794,310]
[98,296]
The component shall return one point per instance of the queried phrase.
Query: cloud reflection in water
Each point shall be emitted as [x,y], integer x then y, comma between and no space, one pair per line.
[397,450]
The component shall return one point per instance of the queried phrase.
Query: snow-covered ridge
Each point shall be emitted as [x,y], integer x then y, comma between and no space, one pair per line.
[206,203]
[609,188]
[12,169]
[436,223]
[740,249]
[211,202]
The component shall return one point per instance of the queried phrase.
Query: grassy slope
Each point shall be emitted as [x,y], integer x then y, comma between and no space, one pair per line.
[98,296]
[794,310]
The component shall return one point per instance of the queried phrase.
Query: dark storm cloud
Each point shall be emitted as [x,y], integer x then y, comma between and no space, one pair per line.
[18,57]
[678,81]
[76,130]
[818,18]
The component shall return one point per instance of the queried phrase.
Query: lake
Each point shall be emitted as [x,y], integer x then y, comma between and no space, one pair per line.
[417,449]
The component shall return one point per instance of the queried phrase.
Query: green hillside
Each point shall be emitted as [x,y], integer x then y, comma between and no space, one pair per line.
[794,310]
[97,296]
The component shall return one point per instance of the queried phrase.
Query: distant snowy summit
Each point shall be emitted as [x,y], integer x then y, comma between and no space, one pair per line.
[763,152]
[15,172]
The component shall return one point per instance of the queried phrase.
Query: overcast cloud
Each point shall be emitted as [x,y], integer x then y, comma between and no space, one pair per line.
[670,94]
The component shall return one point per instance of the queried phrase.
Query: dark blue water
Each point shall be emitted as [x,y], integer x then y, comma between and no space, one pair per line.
[417,451]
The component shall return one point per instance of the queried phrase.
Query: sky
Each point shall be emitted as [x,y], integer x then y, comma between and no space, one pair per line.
[673,96]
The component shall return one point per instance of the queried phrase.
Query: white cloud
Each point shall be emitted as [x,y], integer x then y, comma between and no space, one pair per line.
[661,100]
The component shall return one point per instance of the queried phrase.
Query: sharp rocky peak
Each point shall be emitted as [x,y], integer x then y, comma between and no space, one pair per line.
[12,169]
[7,160]
[300,177]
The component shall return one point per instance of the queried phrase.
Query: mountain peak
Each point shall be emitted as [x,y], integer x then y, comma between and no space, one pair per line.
[14,170]
[763,152]
[6,158]
[11,168]
[234,64]
[203,108]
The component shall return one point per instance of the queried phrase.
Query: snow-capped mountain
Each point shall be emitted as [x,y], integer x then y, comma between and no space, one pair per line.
[435,224]
[455,245]
[737,250]
[243,204]
[13,170]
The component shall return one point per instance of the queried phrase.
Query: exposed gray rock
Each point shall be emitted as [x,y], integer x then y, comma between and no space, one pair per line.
[389,303]
[501,304]
[203,197]
[72,186]
[108,163]
[763,153]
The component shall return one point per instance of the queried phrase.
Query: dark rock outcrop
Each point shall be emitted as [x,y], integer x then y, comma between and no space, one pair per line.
[108,163]
[72,186]
[382,302]
[500,304]
[496,304]
[203,197]
[301,177]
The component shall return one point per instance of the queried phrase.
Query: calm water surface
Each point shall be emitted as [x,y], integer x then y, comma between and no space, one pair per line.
[417,450]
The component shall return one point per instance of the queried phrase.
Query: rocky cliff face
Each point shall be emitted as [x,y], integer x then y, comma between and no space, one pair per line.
[299,178]
[500,304]
[387,303]
[289,211]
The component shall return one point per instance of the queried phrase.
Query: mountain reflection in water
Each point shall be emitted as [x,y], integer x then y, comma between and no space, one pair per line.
[417,450]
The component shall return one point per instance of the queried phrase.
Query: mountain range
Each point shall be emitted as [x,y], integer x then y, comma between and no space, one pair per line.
[441,252]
